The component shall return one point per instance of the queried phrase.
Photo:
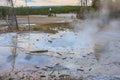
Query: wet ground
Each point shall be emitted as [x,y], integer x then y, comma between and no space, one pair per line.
[65,52]
[62,55]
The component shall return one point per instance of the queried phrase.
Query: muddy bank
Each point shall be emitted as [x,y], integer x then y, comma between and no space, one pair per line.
[38,23]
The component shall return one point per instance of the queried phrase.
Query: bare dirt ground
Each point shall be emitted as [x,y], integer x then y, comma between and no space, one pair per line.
[39,23]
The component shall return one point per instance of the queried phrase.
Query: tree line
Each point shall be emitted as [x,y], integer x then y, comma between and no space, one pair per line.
[3,12]
[41,11]
[46,11]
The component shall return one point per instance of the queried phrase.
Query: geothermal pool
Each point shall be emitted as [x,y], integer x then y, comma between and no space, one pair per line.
[62,43]
[65,52]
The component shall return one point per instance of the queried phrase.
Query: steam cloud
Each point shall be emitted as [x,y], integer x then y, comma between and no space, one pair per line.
[101,28]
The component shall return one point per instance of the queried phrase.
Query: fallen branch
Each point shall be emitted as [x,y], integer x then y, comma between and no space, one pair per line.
[39,51]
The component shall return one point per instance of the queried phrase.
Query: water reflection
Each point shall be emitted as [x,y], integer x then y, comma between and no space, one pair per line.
[41,49]
[5,58]
[28,57]
[13,56]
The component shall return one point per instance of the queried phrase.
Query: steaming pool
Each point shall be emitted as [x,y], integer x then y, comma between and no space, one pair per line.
[60,43]
[65,52]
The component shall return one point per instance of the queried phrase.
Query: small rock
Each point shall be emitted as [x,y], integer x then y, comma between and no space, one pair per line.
[36,66]
[44,69]
[80,70]
[71,57]
[65,77]
[90,69]
[42,76]
[49,41]
[84,56]
[11,78]
[59,54]
[64,58]
[37,39]
[61,35]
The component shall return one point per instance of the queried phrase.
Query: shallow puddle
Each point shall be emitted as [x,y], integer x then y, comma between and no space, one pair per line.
[9,60]
[28,49]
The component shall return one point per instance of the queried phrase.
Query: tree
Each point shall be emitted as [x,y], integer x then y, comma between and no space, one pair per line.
[12,19]
[96,4]
[3,12]
[86,2]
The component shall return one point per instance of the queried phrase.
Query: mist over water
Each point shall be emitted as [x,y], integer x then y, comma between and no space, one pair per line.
[102,29]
